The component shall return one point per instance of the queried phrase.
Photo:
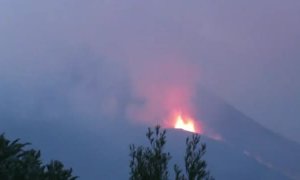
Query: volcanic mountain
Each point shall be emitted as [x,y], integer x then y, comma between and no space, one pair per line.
[237,146]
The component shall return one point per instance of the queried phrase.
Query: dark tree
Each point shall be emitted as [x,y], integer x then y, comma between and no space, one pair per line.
[195,165]
[149,163]
[19,163]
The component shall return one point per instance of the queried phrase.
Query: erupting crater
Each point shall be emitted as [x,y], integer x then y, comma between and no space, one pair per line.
[186,123]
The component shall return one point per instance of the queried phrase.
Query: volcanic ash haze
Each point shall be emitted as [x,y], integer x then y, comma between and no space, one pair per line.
[163,76]
[165,85]
[144,41]
[159,44]
[154,46]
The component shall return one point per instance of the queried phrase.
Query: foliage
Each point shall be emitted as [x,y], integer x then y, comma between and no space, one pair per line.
[195,166]
[18,163]
[148,163]
[151,162]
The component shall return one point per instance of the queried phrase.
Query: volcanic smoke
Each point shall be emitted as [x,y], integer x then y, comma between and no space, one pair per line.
[167,84]
[163,74]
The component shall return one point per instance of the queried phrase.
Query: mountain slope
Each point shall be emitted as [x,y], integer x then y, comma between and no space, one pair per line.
[243,133]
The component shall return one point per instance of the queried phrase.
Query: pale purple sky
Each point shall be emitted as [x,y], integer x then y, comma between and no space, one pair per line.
[247,52]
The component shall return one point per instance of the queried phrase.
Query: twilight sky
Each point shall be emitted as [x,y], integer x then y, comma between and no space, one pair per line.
[247,52]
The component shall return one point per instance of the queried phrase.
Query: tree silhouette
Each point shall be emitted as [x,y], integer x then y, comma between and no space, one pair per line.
[195,166]
[149,163]
[18,163]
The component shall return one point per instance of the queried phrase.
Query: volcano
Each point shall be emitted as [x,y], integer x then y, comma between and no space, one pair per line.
[237,146]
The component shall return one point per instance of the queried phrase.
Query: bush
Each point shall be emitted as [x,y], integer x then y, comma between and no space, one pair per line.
[18,163]
[149,163]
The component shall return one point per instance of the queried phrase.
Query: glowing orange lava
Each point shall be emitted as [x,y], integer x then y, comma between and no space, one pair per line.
[185,124]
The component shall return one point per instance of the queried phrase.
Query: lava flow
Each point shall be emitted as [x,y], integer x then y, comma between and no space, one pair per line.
[186,124]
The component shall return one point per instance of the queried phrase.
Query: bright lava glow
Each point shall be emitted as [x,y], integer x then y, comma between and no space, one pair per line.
[187,125]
